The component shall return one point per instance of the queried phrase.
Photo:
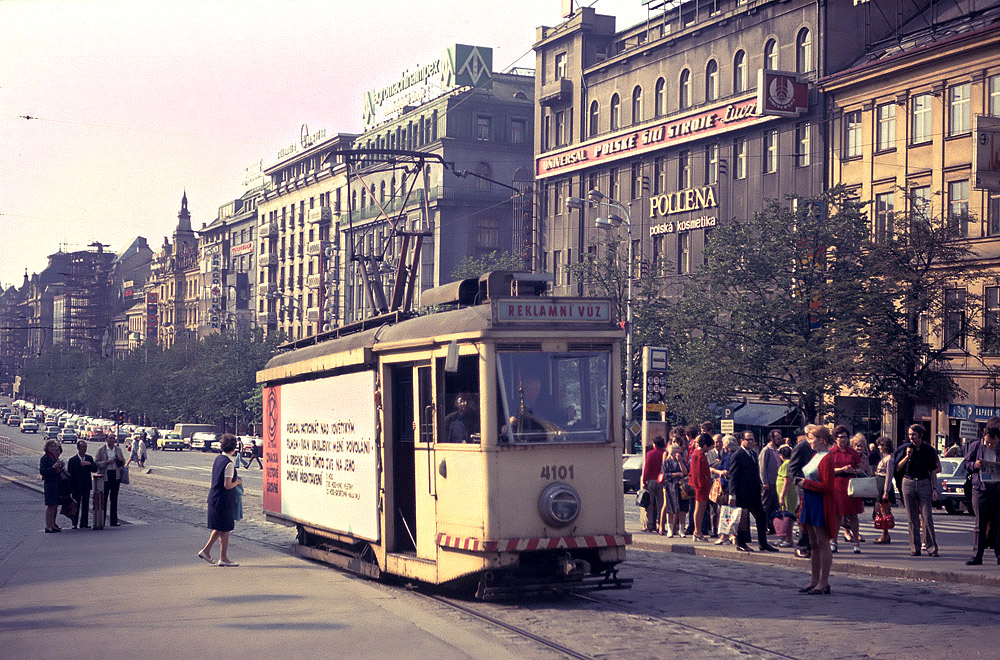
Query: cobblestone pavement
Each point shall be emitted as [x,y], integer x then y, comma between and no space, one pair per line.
[682,606]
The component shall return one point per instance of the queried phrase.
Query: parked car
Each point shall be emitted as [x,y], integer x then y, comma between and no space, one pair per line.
[29,425]
[205,441]
[951,486]
[631,472]
[171,440]
[67,435]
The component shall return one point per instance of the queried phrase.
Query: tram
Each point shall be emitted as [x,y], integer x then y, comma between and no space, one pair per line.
[474,446]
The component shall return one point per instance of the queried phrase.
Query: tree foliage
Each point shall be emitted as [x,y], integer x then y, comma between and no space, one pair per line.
[776,310]
[212,381]
[472,266]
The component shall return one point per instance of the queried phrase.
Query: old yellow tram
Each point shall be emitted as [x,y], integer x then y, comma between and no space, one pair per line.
[477,444]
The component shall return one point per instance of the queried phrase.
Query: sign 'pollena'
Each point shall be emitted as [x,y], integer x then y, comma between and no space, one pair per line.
[681,201]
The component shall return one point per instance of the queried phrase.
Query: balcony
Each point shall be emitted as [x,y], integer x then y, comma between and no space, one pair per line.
[319,215]
[557,92]
[316,248]
[268,259]
[269,229]
[267,318]
[312,315]
[266,289]
[313,281]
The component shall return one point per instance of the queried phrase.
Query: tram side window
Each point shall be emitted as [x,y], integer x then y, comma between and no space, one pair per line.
[461,400]
[553,397]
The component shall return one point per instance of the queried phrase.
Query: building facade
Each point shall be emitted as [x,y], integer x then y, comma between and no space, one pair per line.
[902,121]
[174,285]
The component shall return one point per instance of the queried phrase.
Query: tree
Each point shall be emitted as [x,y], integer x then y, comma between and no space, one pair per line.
[476,266]
[919,313]
[605,275]
[776,310]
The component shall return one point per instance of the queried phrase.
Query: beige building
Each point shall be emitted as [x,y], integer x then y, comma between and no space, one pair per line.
[175,283]
[902,134]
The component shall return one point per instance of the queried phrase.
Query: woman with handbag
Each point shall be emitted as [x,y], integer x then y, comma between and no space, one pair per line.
[819,509]
[701,480]
[887,494]
[672,472]
[728,520]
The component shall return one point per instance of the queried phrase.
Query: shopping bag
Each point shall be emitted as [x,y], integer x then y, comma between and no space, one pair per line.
[715,494]
[729,519]
[883,517]
[783,522]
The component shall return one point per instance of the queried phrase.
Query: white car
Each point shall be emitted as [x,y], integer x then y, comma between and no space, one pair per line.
[29,425]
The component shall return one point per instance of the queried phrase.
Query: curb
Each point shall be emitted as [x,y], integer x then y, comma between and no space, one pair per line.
[845,567]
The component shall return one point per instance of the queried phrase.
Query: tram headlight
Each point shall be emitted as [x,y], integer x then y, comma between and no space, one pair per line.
[559,504]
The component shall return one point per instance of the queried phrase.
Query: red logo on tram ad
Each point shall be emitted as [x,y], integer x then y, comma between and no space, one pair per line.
[272,449]
[781,93]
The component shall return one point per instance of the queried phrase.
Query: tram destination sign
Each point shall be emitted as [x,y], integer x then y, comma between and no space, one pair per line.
[572,310]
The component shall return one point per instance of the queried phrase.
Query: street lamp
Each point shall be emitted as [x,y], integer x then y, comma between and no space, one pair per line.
[614,221]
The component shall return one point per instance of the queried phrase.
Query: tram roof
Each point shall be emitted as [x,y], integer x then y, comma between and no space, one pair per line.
[437,328]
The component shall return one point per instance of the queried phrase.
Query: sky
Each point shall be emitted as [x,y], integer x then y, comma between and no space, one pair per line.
[134,102]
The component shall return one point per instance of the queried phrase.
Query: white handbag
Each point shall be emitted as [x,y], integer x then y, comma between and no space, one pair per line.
[865,487]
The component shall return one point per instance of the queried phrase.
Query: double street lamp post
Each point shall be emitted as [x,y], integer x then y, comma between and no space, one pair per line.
[614,221]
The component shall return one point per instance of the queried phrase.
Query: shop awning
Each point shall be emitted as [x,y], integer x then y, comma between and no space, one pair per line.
[761,414]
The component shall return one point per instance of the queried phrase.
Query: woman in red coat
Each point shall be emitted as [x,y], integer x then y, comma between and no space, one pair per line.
[701,480]
[819,508]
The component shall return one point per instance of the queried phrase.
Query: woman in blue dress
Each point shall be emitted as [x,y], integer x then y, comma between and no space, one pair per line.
[222,501]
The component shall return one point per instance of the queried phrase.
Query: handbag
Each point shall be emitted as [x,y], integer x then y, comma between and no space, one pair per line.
[865,487]
[686,491]
[883,517]
[715,494]
[123,475]
[69,507]
[238,502]
[729,519]
[783,522]
[642,498]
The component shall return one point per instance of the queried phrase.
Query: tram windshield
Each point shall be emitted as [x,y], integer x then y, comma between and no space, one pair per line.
[553,397]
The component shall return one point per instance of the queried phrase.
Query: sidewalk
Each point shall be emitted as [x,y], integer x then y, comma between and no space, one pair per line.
[892,560]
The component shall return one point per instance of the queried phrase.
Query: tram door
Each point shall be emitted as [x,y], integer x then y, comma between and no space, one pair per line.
[413,423]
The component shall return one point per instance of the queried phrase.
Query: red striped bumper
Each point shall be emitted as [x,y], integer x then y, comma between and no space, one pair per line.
[521,545]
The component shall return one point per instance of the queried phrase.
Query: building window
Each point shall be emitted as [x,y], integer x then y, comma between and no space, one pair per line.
[958,207]
[885,127]
[884,206]
[803,51]
[711,81]
[740,158]
[994,92]
[557,267]
[637,105]
[954,319]
[711,164]
[488,236]
[595,115]
[616,113]
[991,320]
[684,252]
[614,189]
[852,134]
[484,128]
[921,125]
[560,65]
[659,176]
[959,121]
[518,128]
[771,151]
[740,72]
[560,136]
[802,144]
[920,202]
[658,254]
[636,179]
[993,214]
[771,54]
[660,98]
[684,90]
[684,170]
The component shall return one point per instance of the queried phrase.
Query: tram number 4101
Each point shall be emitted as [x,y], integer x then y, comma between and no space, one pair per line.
[551,472]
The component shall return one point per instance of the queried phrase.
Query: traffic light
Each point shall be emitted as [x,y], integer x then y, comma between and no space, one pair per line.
[120,416]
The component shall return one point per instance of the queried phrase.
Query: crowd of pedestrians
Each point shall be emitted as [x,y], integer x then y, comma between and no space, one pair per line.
[708,485]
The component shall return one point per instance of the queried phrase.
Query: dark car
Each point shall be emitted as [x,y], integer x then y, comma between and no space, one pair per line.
[51,432]
[951,486]
[631,471]
[68,435]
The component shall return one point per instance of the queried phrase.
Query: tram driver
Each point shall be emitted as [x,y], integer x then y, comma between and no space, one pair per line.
[462,425]
[537,412]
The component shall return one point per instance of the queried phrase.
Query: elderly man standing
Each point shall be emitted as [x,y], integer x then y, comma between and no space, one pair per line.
[744,492]
[983,463]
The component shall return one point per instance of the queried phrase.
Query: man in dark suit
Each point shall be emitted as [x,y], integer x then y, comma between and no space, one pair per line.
[744,492]
[80,468]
